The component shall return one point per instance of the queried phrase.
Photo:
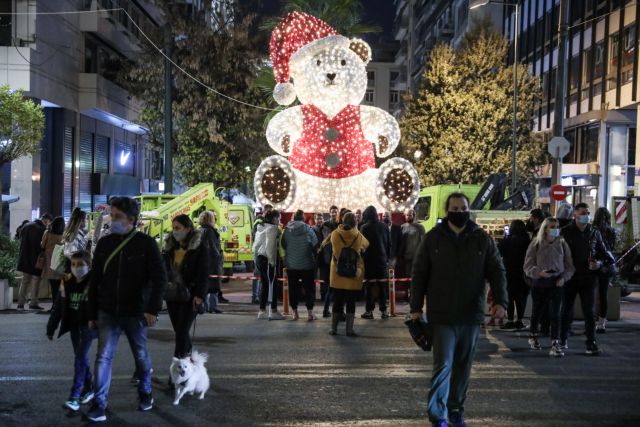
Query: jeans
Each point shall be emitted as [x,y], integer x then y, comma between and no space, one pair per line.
[306,280]
[182,316]
[110,327]
[453,349]
[82,379]
[30,286]
[603,290]
[269,283]
[585,287]
[546,299]
[212,301]
[342,297]
[382,290]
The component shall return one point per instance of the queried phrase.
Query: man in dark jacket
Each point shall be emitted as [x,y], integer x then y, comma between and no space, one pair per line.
[125,295]
[30,240]
[376,262]
[589,253]
[452,263]
[395,233]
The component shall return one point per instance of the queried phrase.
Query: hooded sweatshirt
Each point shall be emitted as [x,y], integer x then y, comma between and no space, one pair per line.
[299,242]
[376,258]
[266,242]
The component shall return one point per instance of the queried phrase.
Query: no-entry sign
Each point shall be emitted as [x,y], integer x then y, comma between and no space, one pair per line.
[558,192]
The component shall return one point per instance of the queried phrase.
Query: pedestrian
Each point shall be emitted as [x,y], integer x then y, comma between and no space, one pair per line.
[211,239]
[513,250]
[255,285]
[412,234]
[548,263]
[186,261]
[536,216]
[299,242]
[602,223]
[265,252]
[125,295]
[347,271]
[395,233]
[450,268]
[589,253]
[30,250]
[74,234]
[332,224]
[359,220]
[19,229]
[376,263]
[51,237]
[70,313]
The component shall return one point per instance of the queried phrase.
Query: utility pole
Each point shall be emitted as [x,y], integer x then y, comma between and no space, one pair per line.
[561,78]
[168,123]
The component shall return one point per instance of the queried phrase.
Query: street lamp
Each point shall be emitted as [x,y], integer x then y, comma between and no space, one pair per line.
[474,4]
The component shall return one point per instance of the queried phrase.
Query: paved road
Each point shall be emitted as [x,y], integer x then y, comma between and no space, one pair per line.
[293,373]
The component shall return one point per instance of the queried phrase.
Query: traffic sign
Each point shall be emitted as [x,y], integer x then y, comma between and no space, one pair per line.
[558,147]
[558,192]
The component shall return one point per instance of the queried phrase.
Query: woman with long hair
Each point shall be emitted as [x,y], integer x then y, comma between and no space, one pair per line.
[74,234]
[549,264]
[52,236]
[211,238]
[602,222]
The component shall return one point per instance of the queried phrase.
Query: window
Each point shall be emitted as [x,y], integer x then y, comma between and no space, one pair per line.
[586,69]
[612,72]
[371,78]
[394,97]
[90,56]
[5,23]
[631,158]
[393,76]
[628,54]
[574,78]
[369,96]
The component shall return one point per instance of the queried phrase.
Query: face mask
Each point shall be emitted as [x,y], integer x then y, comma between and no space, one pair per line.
[80,272]
[554,232]
[180,235]
[386,220]
[118,227]
[584,219]
[459,219]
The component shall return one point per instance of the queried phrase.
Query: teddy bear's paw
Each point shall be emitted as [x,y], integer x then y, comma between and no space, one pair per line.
[274,182]
[286,144]
[398,185]
[383,142]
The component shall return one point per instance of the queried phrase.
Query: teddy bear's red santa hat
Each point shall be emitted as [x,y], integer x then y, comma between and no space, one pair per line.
[295,37]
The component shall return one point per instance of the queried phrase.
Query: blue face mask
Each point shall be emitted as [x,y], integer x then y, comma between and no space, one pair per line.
[584,219]
[118,227]
[554,232]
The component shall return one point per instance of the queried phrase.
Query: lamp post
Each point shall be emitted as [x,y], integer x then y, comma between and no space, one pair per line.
[474,4]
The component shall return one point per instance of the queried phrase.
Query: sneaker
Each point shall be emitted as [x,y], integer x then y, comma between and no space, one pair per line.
[35,307]
[296,316]
[520,326]
[510,325]
[275,315]
[20,307]
[262,314]
[72,404]
[223,300]
[384,315]
[534,344]
[146,402]
[555,350]
[367,315]
[311,316]
[96,414]
[592,348]
[456,419]
[326,314]
[563,345]
[601,326]
[86,397]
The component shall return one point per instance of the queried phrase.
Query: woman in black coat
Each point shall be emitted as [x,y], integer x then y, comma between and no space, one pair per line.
[376,261]
[211,239]
[186,261]
[513,250]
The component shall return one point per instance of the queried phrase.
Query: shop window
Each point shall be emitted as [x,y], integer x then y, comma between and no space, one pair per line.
[589,144]
[631,158]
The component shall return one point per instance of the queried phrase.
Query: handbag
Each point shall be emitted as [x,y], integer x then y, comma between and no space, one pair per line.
[176,291]
[58,260]
[40,261]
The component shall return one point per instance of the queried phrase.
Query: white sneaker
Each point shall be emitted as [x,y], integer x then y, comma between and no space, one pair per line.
[311,316]
[555,350]
[262,314]
[276,316]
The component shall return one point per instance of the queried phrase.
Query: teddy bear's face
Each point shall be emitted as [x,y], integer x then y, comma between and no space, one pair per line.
[331,79]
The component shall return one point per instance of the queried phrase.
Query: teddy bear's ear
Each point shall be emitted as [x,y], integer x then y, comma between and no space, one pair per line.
[361,48]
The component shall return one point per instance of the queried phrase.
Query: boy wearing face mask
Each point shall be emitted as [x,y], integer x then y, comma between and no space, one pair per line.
[70,312]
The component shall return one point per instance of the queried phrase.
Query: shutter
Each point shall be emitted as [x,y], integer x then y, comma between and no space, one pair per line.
[101,160]
[67,192]
[85,170]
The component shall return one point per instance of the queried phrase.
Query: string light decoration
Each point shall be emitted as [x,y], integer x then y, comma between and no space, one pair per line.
[331,141]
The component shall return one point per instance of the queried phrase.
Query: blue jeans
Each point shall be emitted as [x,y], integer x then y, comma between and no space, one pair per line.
[453,349]
[109,329]
[82,372]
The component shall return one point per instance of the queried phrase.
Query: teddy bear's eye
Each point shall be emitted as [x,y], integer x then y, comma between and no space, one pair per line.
[318,62]
[343,62]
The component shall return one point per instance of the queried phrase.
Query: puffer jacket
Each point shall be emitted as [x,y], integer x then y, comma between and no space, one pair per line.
[339,239]
[450,270]
[299,242]
[266,242]
[376,258]
[194,268]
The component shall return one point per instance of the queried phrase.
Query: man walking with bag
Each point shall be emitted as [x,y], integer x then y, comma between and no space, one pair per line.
[450,268]
[125,295]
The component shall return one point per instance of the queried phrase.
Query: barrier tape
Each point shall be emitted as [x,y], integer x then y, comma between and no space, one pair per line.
[218,276]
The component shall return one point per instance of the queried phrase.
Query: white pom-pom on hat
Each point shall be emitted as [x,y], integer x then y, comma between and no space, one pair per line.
[284,93]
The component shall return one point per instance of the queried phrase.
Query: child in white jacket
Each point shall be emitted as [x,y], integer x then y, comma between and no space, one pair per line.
[265,253]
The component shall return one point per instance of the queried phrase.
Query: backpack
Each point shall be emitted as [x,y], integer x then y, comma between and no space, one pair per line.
[347,262]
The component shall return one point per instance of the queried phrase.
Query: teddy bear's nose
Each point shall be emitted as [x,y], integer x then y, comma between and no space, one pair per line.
[331,76]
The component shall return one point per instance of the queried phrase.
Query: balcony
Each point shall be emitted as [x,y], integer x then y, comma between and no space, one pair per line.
[95,93]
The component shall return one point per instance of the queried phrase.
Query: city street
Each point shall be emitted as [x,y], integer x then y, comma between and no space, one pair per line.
[294,373]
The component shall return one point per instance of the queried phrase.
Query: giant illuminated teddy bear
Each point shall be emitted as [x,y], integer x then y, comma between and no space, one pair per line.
[330,139]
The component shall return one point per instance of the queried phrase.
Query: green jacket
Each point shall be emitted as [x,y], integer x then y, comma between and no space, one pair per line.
[451,271]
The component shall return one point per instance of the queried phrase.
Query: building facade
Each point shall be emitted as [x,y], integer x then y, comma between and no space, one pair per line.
[92,146]
[601,90]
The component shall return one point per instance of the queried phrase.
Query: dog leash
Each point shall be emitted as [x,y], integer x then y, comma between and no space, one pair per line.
[193,333]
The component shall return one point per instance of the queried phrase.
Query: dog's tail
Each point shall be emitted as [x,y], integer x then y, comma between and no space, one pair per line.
[199,358]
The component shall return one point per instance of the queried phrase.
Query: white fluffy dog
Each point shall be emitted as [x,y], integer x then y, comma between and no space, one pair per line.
[189,375]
